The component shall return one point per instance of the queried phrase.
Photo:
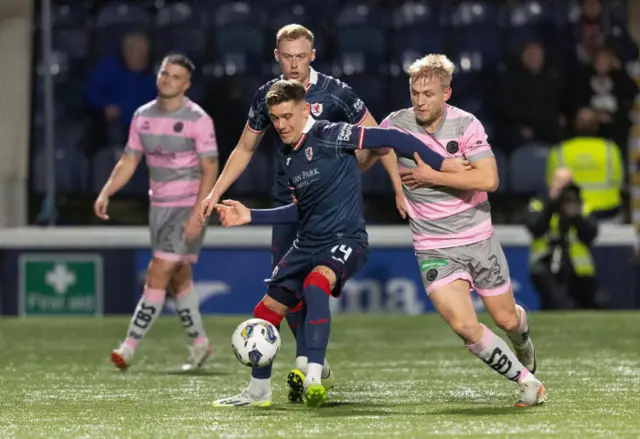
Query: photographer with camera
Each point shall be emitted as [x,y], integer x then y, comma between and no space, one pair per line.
[563,230]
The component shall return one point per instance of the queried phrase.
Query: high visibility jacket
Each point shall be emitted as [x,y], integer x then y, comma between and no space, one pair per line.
[597,167]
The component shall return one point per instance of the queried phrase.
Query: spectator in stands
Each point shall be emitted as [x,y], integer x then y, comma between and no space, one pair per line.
[595,164]
[608,90]
[530,100]
[563,230]
[597,29]
[118,85]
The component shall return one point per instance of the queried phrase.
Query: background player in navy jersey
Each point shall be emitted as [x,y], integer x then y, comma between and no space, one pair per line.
[319,161]
[329,99]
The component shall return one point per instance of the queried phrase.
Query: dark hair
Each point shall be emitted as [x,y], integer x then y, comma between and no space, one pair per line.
[181,60]
[285,90]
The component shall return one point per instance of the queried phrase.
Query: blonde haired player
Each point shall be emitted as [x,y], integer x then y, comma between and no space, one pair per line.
[452,231]
[329,99]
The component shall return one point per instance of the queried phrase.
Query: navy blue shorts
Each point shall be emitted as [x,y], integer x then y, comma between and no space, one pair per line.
[345,257]
[282,237]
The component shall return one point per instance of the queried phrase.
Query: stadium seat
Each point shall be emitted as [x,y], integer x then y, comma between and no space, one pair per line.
[240,39]
[413,44]
[180,13]
[400,94]
[360,14]
[527,168]
[74,42]
[288,13]
[482,40]
[257,179]
[122,14]
[69,15]
[185,39]
[371,89]
[236,63]
[502,162]
[237,14]
[423,15]
[102,164]
[71,172]
[475,13]
[362,50]
[376,181]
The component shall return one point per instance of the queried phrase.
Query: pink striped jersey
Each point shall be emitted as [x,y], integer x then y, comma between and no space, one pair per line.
[173,144]
[442,217]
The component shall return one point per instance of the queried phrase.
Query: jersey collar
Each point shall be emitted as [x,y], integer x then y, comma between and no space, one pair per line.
[313,78]
[307,127]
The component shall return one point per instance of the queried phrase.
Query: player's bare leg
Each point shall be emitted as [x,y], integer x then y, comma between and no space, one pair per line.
[258,393]
[453,302]
[188,309]
[148,310]
[512,319]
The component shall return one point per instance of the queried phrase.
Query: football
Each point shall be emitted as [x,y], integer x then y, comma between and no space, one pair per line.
[256,343]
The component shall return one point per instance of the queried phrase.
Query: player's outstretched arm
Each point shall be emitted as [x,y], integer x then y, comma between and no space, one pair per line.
[233,213]
[120,176]
[237,162]
[405,145]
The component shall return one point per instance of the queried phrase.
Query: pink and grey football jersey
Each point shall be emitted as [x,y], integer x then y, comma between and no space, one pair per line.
[173,144]
[442,217]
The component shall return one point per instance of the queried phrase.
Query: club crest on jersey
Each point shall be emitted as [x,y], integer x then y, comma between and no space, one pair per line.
[308,153]
[452,147]
[178,127]
[316,109]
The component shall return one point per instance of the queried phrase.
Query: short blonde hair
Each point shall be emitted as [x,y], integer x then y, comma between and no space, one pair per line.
[292,32]
[432,66]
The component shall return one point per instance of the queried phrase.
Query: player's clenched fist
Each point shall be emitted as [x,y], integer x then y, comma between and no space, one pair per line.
[100,207]
[206,207]
[233,213]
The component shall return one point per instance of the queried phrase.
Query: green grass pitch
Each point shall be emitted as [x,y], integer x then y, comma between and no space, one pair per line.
[397,377]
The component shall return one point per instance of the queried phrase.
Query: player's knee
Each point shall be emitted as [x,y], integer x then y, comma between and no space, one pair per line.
[323,278]
[508,321]
[159,272]
[469,330]
[270,310]
[181,280]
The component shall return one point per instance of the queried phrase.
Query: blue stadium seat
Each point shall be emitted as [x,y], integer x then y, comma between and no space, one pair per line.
[114,21]
[482,40]
[71,172]
[360,14]
[400,93]
[475,13]
[372,91]
[238,13]
[236,63]
[180,13]
[68,134]
[69,15]
[74,42]
[503,170]
[186,39]
[102,165]
[240,39]
[289,13]
[527,168]
[257,179]
[418,41]
[528,13]
[417,14]
[122,14]
[362,50]
[376,181]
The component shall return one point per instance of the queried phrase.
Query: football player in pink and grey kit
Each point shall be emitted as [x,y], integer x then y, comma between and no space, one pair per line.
[453,235]
[178,141]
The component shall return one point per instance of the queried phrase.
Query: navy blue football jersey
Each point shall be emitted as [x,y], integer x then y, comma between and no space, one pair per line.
[329,98]
[323,171]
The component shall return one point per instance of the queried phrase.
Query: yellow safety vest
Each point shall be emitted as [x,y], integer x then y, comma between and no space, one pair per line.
[579,253]
[596,166]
